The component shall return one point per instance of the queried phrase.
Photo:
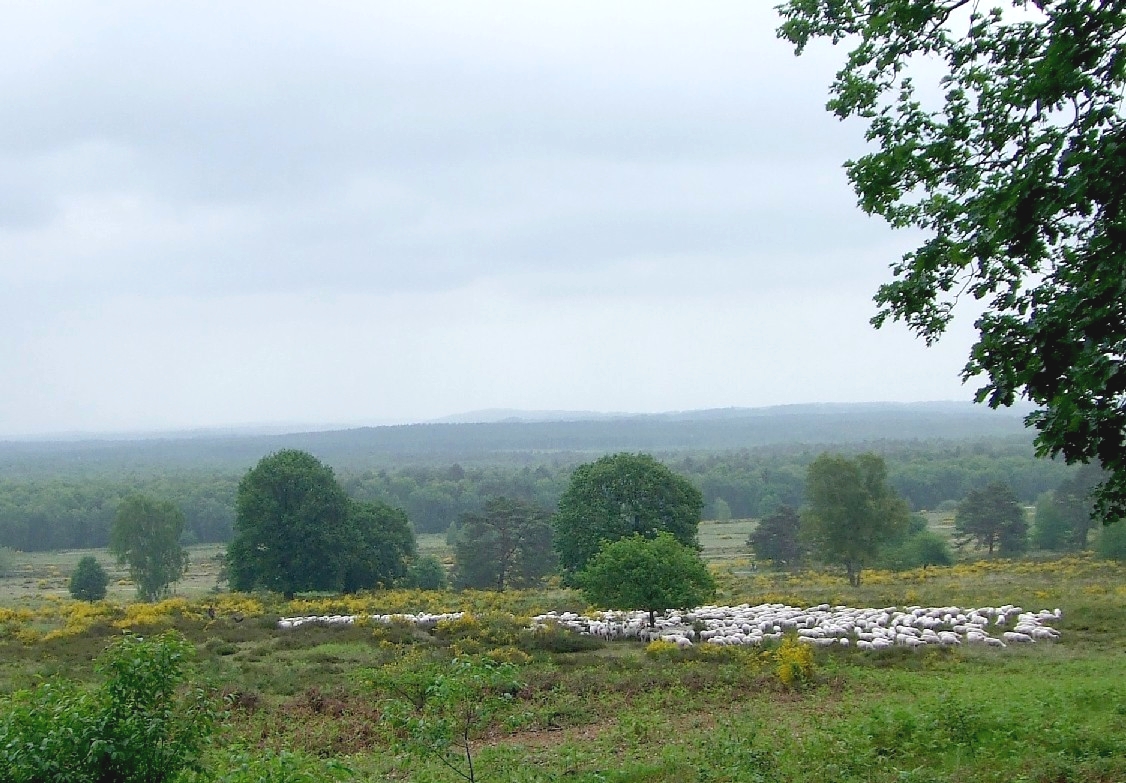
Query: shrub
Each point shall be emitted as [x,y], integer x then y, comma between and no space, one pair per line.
[264,765]
[918,551]
[794,661]
[426,573]
[474,634]
[1112,542]
[662,650]
[438,709]
[553,638]
[88,581]
[134,728]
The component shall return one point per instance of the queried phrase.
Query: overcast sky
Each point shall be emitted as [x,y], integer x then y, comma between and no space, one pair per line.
[226,213]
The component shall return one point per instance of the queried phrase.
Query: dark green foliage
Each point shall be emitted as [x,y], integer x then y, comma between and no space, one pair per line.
[647,573]
[851,511]
[1013,167]
[1051,529]
[1075,501]
[382,548]
[618,496]
[292,530]
[426,573]
[1111,543]
[918,550]
[88,581]
[296,530]
[776,538]
[146,536]
[65,511]
[507,545]
[992,517]
[138,726]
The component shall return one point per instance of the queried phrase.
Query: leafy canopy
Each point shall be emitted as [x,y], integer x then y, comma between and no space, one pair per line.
[507,544]
[88,580]
[992,517]
[296,530]
[618,496]
[647,573]
[1014,167]
[776,537]
[146,535]
[383,547]
[139,725]
[291,526]
[852,511]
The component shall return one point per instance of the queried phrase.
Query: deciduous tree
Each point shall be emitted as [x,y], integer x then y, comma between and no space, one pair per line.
[654,574]
[146,536]
[88,580]
[618,496]
[292,530]
[382,548]
[1011,162]
[776,537]
[297,530]
[851,512]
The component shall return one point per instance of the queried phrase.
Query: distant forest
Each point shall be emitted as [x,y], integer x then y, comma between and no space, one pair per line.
[64,495]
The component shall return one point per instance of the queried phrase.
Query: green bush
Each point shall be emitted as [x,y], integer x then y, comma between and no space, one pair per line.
[426,573]
[88,581]
[553,638]
[918,551]
[263,765]
[1112,542]
[136,727]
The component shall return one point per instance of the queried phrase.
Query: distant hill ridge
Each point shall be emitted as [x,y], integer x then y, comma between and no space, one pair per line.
[512,415]
[720,429]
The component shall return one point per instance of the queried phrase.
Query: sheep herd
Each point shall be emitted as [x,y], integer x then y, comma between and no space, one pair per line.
[865,629]
[823,625]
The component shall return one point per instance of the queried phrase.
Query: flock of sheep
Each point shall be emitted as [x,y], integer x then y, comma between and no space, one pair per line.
[865,629]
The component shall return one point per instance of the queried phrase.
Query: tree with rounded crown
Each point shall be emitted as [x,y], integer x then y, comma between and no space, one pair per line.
[654,574]
[88,580]
[383,548]
[776,537]
[292,530]
[618,496]
[999,137]
[146,536]
[851,511]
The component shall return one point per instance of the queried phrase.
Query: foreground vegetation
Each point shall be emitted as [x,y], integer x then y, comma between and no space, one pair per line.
[313,704]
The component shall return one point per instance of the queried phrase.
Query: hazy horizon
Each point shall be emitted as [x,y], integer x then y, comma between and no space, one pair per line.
[487,415]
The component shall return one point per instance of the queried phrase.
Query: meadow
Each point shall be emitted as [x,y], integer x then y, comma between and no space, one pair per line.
[308,705]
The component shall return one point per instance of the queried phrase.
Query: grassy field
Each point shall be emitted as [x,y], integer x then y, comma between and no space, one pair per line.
[304,701]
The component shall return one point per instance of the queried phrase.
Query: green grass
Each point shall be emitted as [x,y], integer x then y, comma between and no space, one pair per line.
[1047,712]
[37,575]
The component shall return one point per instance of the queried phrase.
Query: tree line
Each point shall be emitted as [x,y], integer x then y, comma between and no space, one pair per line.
[38,514]
[624,530]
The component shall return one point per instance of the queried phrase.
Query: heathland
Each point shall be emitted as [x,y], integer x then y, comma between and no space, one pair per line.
[315,703]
